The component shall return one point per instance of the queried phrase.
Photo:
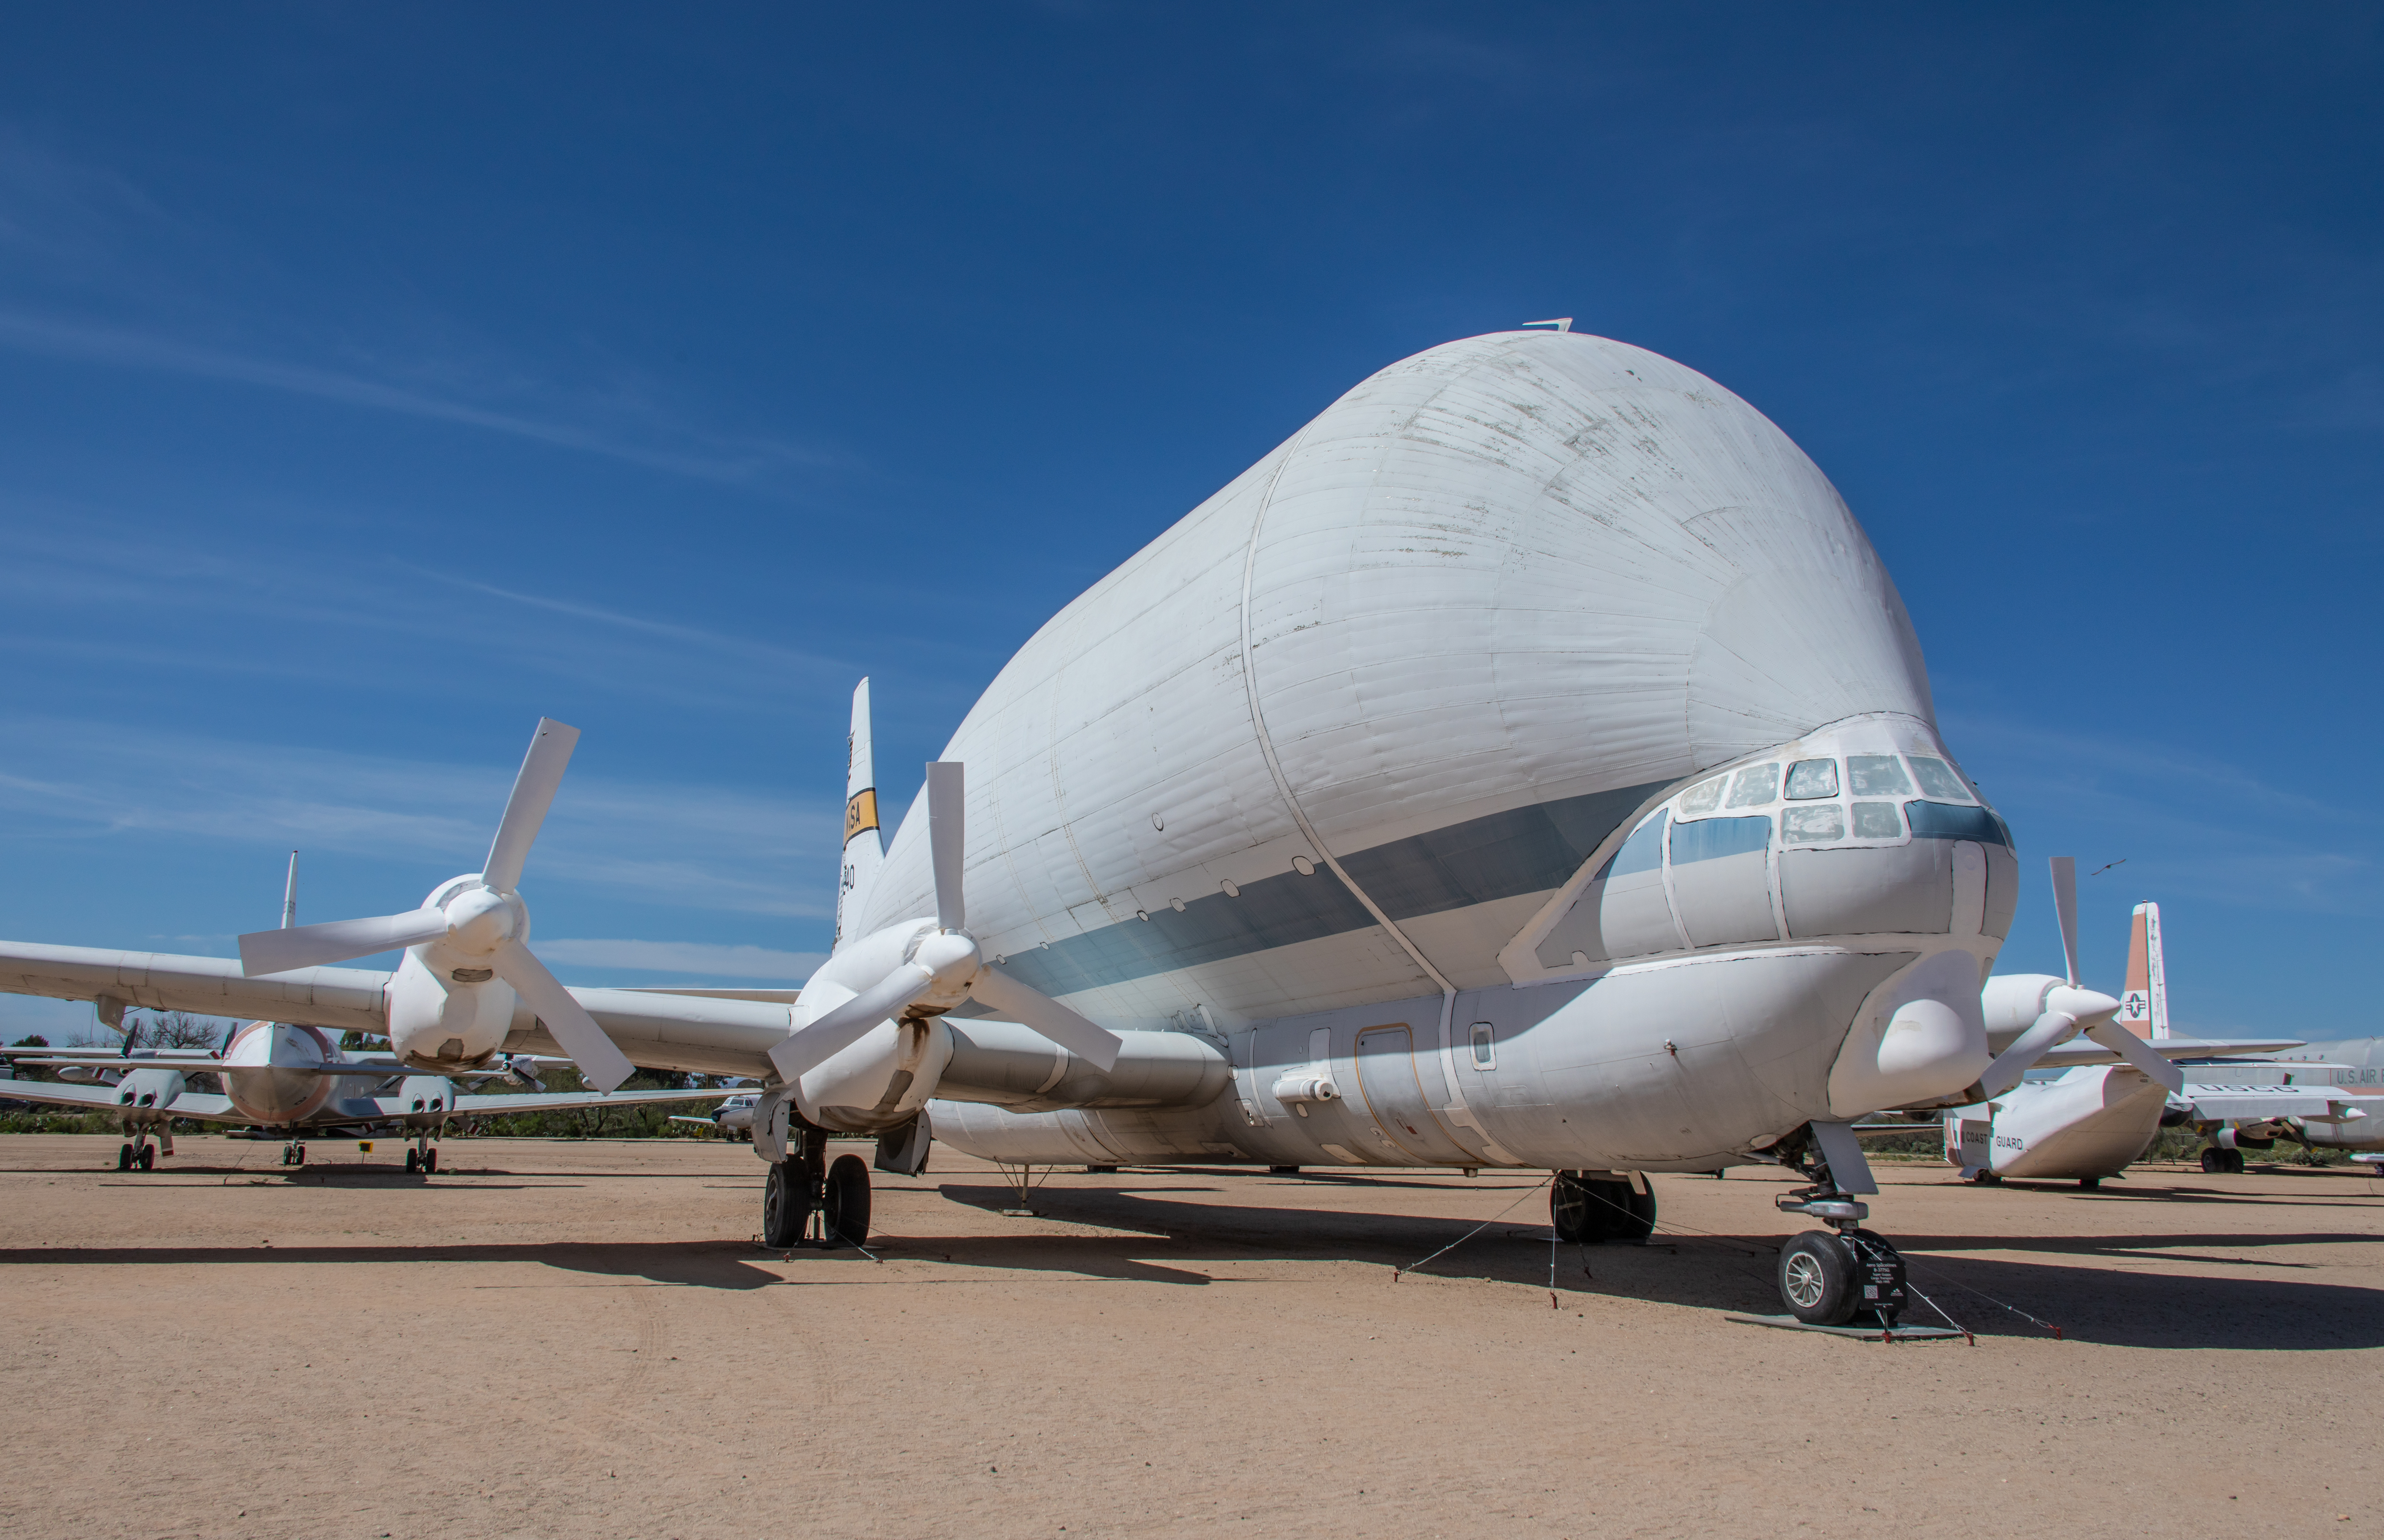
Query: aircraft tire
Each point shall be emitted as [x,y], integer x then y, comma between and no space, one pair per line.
[2212,1161]
[2234,1162]
[2087,1184]
[412,1163]
[124,1158]
[298,1156]
[848,1199]
[1818,1279]
[147,1158]
[1641,1221]
[429,1162]
[783,1205]
[1568,1209]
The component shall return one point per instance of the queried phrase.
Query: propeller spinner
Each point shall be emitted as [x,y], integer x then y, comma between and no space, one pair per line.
[483,921]
[945,965]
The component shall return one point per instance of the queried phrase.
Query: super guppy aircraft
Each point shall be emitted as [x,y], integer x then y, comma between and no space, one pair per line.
[1529,764]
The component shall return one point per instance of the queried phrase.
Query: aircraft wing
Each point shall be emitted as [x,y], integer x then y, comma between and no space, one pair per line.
[554,1101]
[2085,1051]
[2256,1104]
[347,998]
[102,1099]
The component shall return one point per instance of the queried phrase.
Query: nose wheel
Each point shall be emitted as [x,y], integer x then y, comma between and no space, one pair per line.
[1830,1277]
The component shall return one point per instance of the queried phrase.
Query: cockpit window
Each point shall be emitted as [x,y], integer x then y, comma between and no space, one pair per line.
[1877,820]
[1703,797]
[1809,778]
[1644,851]
[1711,838]
[1877,776]
[1756,785]
[1937,779]
[1813,825]
[1939,821]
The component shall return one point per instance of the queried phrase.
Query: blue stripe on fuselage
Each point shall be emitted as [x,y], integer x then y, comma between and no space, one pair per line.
[1526,850]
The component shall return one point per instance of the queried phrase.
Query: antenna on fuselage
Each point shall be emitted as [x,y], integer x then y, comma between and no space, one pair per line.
[290,895]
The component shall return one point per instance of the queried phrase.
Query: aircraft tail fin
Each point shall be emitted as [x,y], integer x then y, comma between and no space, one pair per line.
[2143,1008]
[864,848]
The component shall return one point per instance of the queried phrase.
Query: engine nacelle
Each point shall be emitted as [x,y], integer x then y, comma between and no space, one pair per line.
[2012,1003]
[2253,1135]
[143,1096]
[447,1008]
[426,1096]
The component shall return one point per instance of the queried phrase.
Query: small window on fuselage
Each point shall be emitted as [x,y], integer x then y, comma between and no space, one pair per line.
[1877,776]
[1937,779]
[1703,797]
[1485,1049]
[1878,821]
[1755,786]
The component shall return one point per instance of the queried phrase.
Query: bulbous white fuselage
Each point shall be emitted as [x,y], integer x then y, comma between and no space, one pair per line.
[1532,746]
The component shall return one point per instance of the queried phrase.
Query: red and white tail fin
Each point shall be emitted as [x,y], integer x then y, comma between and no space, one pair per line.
[2143,1008]
[864,849]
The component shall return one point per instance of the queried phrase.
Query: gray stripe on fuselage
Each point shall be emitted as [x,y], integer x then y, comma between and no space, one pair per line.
[1526,850]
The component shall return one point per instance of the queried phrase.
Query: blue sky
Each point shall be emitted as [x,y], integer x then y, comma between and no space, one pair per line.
[374,380]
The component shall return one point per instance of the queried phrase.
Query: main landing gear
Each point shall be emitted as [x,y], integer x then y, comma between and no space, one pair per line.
[138,1155]
[1827,1279]
[806,1185]
[294,1153]
[2222,1163]
[423,1157]
[1592,1207]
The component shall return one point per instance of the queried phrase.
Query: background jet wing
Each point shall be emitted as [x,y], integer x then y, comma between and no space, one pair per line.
[2084,1050]
[2226,1103]
[554,1101]
[102,1099]
[345,999]
[97,1098]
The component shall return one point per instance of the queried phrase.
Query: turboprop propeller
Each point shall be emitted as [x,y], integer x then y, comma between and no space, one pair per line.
[941,963]
[483,922]
[2068,1007]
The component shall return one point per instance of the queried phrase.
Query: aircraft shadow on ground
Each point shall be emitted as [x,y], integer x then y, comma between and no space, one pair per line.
[699,1264]
[2095,1304]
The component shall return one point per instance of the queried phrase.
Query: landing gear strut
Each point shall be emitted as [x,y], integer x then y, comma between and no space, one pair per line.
[805,1185]
[1827,1279]
[1589,1208]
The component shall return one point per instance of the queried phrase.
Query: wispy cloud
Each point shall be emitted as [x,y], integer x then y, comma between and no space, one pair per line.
[87,343]
[699,958]
[701,846]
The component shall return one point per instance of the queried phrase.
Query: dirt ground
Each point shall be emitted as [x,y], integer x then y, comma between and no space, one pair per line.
[563,1339]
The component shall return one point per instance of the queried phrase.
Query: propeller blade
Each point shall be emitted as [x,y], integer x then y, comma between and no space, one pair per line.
[948,838]
[2064,910]
[541,772]
[2136,1052]
[2011,1066]
[815,1044]
[602,1065]
[1031,1007]
[277,951]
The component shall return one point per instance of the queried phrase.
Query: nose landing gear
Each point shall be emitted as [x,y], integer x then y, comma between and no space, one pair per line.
[294,1153]
[1827,1279]
[422,1156]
